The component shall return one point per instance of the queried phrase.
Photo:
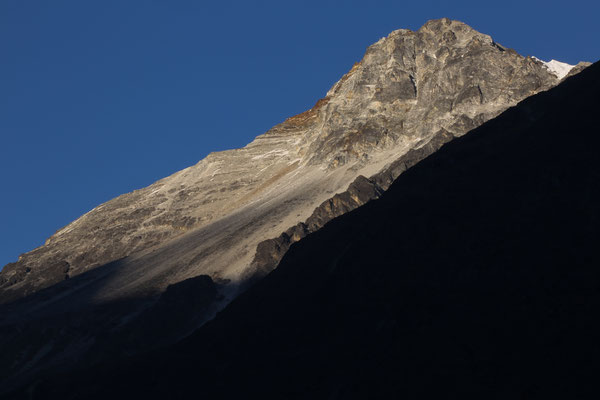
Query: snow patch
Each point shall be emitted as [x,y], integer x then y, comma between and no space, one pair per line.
[560,69]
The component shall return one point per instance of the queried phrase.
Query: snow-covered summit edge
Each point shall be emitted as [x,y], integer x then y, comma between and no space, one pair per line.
[560,69]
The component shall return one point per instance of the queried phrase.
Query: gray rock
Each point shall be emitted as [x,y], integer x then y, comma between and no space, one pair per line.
[577,69]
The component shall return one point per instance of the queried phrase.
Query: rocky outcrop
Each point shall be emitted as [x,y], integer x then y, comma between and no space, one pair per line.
[362,190]
[577,69]
[269,252]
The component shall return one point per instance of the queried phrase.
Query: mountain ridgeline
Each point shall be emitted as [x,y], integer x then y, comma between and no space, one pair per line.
[159,262]
[407,89]
[475,275]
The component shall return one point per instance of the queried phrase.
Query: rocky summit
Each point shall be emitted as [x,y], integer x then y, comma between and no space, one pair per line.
[226,221]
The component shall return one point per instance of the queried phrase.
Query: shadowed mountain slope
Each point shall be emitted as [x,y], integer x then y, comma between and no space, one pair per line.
[475,275]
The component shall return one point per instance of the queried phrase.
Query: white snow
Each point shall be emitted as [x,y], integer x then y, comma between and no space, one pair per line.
[560,69]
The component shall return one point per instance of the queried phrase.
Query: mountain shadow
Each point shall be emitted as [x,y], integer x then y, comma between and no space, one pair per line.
[475,275]
[49,332]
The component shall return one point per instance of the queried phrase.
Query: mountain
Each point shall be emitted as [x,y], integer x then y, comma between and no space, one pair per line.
[179,250]
[474,276]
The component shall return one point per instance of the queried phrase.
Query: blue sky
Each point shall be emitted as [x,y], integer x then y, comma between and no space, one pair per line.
[98,98]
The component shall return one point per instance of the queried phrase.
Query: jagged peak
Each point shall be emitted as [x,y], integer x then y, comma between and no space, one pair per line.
[442,32]
[443,24]
[435,25]
[445,28]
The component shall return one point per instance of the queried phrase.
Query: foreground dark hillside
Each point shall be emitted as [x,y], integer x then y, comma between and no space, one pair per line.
[476,274]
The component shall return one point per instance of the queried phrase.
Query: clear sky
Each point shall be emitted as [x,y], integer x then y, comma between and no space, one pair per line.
[98,98]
